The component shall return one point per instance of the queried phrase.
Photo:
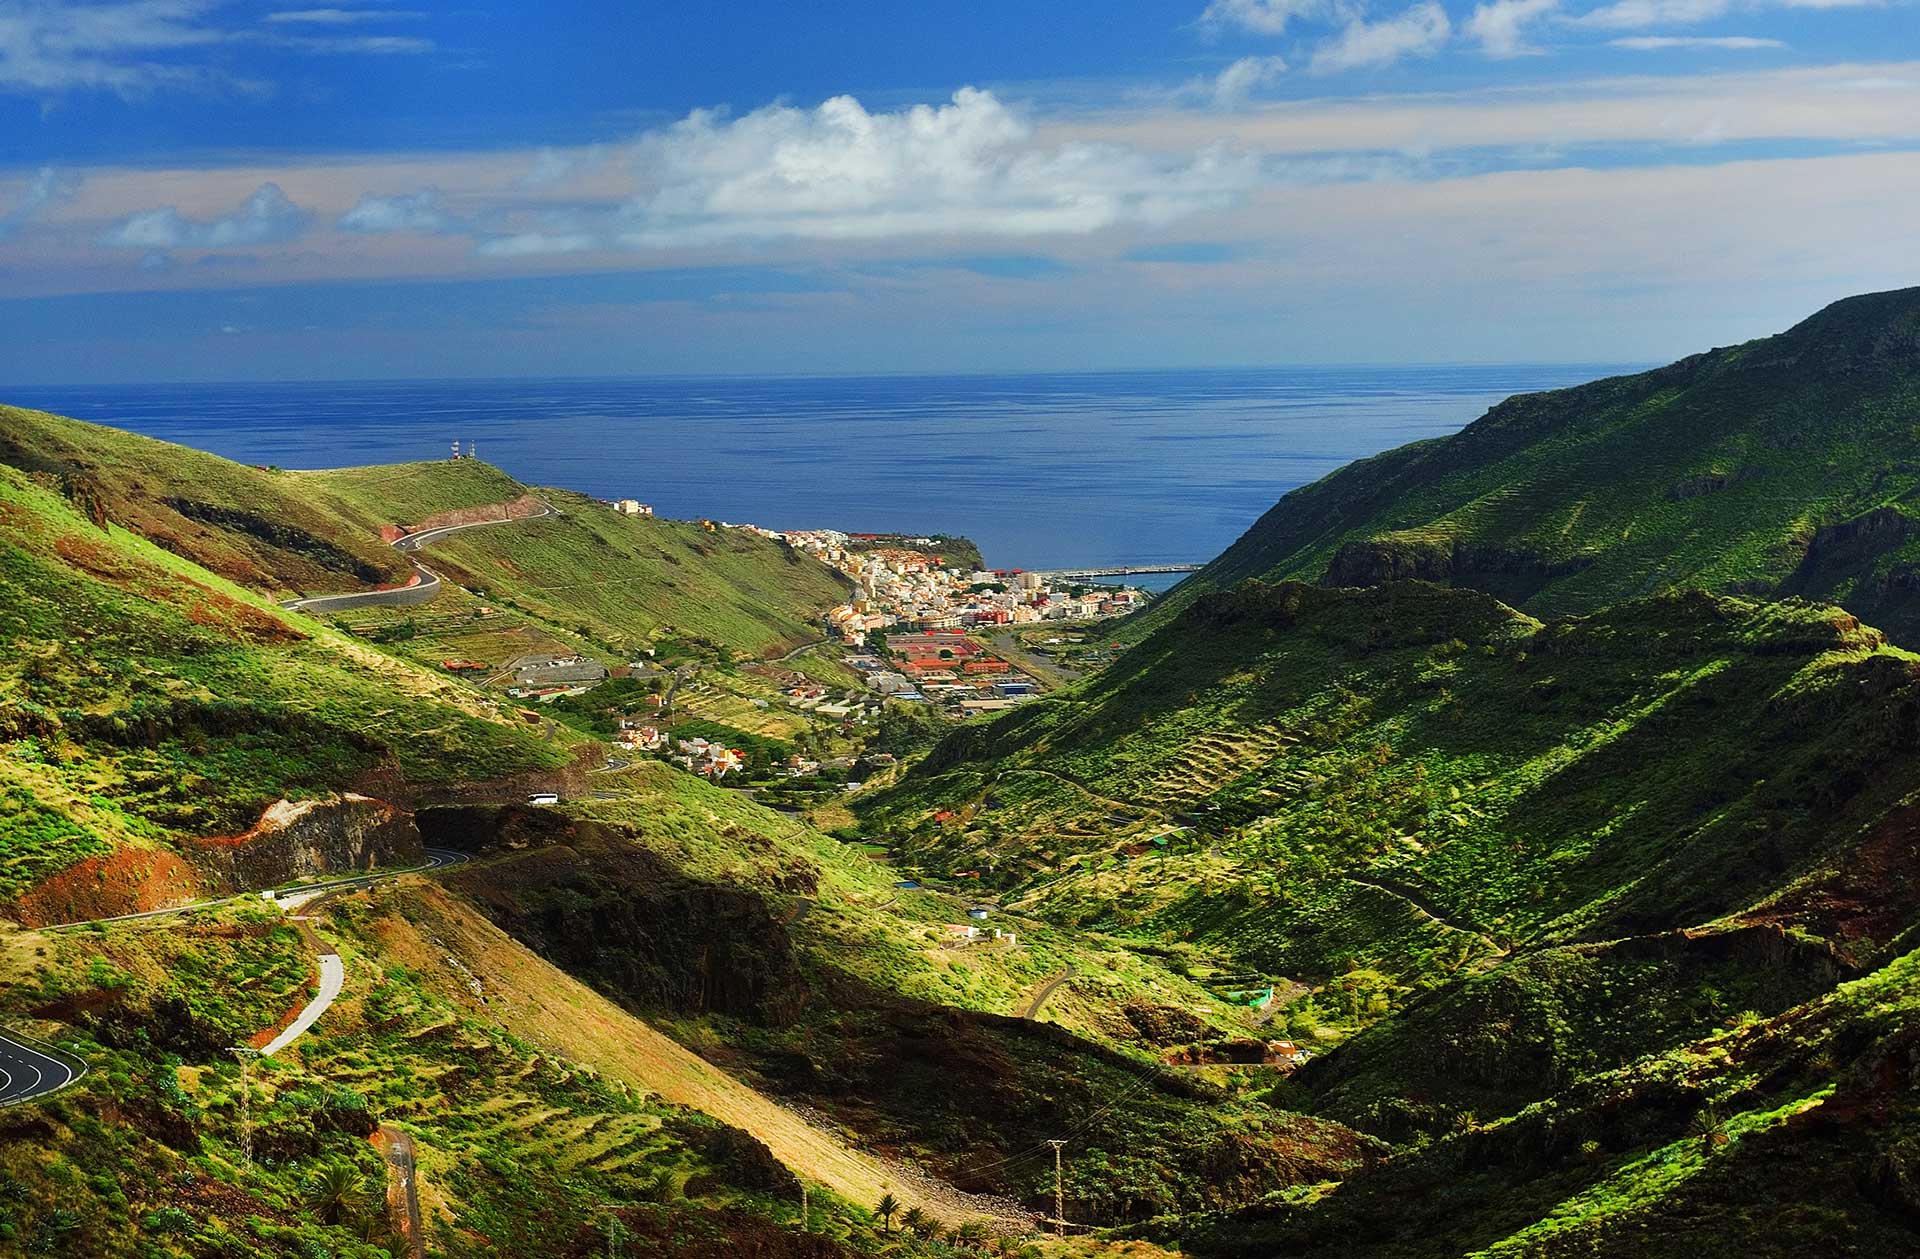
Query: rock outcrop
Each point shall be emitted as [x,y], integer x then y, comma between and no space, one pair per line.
[296,839]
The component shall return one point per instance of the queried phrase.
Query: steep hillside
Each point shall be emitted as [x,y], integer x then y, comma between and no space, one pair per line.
[1382,794]
[627,582]
[601,580]
[149,707]
[792,961]
[1788,465]
[1775,1137]
[522,1143]
[265,529]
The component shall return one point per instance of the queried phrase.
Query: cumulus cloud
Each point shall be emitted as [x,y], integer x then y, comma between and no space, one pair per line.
[47,187]
[415,213]
[839,172]
[1418,32]
[1500,26]
[1232,86]
[1657,43]
[1262,17]
[266,217]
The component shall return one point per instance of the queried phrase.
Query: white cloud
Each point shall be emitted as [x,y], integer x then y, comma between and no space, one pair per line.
[266,217]
[47,187]
[1263,17]
[341,17]
[552,167]
[1657,43]
[127,46]
[1500,26]
[415,213]
[839,172]
[135,47]
[535,244]
[1418,32]
[1635,14]
[372,45]
[1230,88]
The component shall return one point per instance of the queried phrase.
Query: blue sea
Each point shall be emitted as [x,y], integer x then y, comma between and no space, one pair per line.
[1043,471]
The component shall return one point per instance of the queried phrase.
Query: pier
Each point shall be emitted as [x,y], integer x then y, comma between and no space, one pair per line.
[1122,570]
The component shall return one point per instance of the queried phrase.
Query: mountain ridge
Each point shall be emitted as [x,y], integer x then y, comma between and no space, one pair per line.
[1784,465]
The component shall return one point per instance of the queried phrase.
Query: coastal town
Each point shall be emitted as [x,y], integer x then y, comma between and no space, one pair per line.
[916,623]
[923,625]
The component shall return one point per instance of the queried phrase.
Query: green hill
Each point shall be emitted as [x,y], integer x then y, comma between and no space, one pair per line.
[1775,1137]
[628,581]
[597,577]
[1788,465]
[146,703]
[1438,817]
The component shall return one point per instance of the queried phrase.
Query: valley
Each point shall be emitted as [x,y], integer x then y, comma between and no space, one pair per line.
[1506,848]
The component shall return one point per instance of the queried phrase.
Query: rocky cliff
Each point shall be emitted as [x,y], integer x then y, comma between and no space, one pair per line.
[298,839]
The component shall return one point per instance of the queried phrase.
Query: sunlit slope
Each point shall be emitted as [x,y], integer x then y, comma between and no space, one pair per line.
[631,581]
[1789,464]
[146,701]
[1766,1137]
[265,529]
[536,1116]
[1409,776]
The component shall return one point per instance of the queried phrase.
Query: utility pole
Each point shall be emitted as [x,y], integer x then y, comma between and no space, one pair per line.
[246,1054]
[803,1206]
[1059,1197]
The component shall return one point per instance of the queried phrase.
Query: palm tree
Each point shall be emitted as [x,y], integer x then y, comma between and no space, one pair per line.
[337,1190]
[886,1209]
[915,1221]
[1709,1128]
[971,1235]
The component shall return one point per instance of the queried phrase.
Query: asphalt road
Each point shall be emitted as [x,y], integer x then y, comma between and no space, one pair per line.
[333,978]
[27,1072]
[436,857]
[402,1171]
[425,591]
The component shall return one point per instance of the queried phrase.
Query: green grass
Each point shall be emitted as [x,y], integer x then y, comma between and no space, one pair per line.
[627,583]
[256,527]
[1383,793]
[525,1151]
[1716,472]
[147,700]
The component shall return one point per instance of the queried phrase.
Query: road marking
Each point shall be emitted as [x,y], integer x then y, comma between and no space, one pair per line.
[24,1058]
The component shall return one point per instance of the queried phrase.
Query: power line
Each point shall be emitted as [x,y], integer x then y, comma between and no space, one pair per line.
[1076,1129]
[246,1054]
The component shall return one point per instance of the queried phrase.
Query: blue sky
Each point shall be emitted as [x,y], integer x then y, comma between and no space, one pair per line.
[192,189]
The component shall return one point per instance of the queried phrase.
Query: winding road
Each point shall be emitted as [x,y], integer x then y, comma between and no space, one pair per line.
[1040,1000]
[424,590]
[403,1174]
[28,1071]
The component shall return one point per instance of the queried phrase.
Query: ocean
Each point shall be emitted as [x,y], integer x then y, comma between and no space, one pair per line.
[1043,471]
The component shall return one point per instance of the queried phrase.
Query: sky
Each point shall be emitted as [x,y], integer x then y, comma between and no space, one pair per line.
[208,190]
